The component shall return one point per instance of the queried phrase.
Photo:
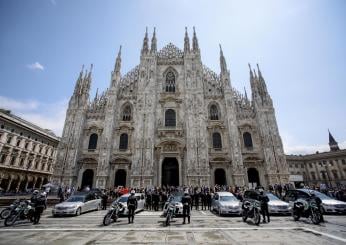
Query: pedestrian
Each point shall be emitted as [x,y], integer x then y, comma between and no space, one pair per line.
[208,200]
[155,200]
[132,206]
[104,200]
[187,203]
[264,206]
[39,204]
[196,199]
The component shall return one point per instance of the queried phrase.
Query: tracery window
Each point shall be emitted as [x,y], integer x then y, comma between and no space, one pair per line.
[170,82]
[247,140]
[214,113]
[93,142]
[124,140]
[127,113]
[170,118]
[217,142]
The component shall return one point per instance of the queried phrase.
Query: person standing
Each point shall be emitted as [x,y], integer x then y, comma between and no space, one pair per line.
[196,199]
[132,206]
[264,206]
[208,199]
[104,200]
[39,203]
[187,203]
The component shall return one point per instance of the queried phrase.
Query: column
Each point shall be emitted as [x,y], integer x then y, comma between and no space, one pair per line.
[9,183]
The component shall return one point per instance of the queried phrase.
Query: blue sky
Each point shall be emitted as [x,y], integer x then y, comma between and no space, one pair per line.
[300,46]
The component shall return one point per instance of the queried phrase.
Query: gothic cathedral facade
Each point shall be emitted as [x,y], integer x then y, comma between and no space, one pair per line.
[170,121]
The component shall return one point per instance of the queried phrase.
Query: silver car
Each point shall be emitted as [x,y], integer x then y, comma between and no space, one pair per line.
[225,203]
[277,206]
[140,202]
[77,204]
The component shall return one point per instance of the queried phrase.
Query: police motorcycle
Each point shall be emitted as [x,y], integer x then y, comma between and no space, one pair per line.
[307,208]
[7,211]
[23,211]
[251,207]
[172,210]
[113,213]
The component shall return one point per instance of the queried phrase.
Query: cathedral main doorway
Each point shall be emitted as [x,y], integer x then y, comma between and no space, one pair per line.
[170,172]
[253,177]
[87,179]
[220,177]
[120,178]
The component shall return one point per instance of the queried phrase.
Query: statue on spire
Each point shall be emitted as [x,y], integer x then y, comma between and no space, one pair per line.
[223,64]
[153,42]
[186,42]
[118,62]
[145,48]
[195,46]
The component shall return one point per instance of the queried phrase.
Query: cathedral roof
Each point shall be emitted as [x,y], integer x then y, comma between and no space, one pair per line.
[170,51]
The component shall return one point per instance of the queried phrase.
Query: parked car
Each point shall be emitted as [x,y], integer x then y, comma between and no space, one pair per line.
[277,206]
[176,199]
[123,200]
[77,204]
[329,204]
[225,203]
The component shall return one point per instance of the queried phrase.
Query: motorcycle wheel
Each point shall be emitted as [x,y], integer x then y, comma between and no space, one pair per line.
[107,219]
[115,218]
[316,217]
[295,215]
[10,220]
[168,220]
[256,217]
[5,213]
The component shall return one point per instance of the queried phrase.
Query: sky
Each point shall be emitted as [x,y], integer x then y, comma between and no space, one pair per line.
[299,45]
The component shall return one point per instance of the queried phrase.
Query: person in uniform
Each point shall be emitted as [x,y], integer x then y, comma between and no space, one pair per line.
[39,204]
[187,203]
[132,206]
[264,206]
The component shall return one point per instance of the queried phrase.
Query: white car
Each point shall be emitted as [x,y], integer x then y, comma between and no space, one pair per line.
[77,204]
[225,203]
[277,206]
[140,202]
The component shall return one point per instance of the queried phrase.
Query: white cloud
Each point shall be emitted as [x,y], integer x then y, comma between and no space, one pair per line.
[45,115]
[36,66]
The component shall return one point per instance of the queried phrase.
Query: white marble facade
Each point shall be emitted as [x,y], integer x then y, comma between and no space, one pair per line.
[170,121]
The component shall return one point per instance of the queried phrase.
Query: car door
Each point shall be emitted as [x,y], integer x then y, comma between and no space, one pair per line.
[88,202]
[216,201]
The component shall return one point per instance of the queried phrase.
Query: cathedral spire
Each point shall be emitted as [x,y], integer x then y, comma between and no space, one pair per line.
[118,62]
[251,74]
[153,42]
[186,42]
[195,46]
[145,48]
[78,86]
[332,143]
[245,94]
[223,64]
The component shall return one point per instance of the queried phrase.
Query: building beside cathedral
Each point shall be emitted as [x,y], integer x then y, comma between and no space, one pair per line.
[170,121]
[328,168]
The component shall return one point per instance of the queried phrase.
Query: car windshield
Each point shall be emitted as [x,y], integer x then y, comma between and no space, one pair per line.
[272,197]
[227,198]
[122,199]
[321,195]
[175,199]
[75,199]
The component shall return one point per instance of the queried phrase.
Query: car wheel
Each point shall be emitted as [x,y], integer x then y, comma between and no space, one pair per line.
[78,212]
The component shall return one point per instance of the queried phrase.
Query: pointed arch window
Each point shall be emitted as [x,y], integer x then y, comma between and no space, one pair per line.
[124,141]
[170,118]
[170,82]
[213,113]
[127,115]
[93,142]
[247,140]
[217,142]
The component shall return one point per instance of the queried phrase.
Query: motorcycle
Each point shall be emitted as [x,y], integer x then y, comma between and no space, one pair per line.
[113,213]
[23,211]
[307,208]
[172,209]
[251,209]
[7,211]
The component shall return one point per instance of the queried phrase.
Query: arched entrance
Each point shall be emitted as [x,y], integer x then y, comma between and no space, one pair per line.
[120,177]
[170,172]
[253,177]
[38,182]
[87,179]
[220,176]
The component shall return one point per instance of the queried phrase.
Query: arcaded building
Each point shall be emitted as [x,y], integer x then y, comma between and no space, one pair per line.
[171,121]
[27,153]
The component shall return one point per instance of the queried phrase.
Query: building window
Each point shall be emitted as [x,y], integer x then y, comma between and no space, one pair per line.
[335,174]
[343,162]
[217,143]
[13,159]
[18,143]
[313,176]
[127,113]
[3,158]
[21,163]
[124,140]
[170,82]
[26,145]
[93,142]
[170,118]
[9,139]
[36,165]
[323,173]
[43,166]
[214,113]
[247,140]
[310,165]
